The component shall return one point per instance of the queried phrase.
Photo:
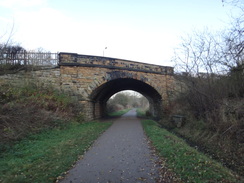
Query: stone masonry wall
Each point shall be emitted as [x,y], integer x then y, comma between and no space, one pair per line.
[81,75]
[80,82]
[44,77]
[113,63]
[84,80]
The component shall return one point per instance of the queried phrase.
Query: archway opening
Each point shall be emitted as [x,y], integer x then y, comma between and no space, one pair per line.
[102,94]
[128,99]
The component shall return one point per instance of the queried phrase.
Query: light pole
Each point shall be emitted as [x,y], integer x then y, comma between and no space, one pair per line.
[104,50]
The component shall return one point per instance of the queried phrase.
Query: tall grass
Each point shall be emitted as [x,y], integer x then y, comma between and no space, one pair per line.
[185,161]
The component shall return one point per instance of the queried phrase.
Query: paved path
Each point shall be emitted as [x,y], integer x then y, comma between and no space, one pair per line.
[120,155]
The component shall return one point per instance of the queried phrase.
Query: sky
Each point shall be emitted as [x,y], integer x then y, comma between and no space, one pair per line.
[138,30]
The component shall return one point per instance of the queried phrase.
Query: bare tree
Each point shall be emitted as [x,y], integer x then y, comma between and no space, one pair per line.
[212,68]
[5,41]
[208,52]
[237,3]
[126,99]
[233,50]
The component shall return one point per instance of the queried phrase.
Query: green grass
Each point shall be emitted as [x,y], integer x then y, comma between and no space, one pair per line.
[185,161]
[45,156]
[140,113]
[118,113]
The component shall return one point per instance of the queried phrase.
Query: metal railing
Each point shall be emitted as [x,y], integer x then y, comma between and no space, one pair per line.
[29,58]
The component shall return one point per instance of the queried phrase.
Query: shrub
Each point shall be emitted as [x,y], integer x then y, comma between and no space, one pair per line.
[30,108]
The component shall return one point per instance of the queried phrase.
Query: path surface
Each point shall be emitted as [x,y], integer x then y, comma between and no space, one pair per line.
[120,155]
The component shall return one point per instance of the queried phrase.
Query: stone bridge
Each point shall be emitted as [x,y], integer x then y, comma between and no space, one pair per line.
[95,79]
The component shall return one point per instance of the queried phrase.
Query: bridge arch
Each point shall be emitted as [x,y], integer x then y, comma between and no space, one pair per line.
[93,80]
[101,95]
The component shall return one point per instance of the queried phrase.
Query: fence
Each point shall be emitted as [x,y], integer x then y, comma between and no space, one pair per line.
[29,58]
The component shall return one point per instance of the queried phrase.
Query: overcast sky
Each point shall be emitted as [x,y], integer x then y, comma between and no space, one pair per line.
[138,30]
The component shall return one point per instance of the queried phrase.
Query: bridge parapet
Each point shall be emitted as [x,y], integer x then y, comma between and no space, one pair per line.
[74,59]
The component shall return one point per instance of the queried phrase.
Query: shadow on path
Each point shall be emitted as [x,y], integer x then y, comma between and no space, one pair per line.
[121,154]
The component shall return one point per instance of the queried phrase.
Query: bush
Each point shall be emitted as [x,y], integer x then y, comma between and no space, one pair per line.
[213,106]
[31,108]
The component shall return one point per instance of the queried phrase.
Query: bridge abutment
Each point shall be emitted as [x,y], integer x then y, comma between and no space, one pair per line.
[98,110]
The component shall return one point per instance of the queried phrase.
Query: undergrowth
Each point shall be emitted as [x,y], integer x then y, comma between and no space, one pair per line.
[222,146]
[186,162]
[30,109]
[213,108]
[218,145]
[142,113]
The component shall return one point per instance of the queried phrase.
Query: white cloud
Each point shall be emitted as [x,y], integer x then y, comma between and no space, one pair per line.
[21,3]
[53,30]
[4,19]
[42,28]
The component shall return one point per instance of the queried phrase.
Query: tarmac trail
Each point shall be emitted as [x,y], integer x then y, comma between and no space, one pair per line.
[120,155]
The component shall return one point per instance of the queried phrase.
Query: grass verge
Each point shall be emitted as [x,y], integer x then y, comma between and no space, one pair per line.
[118,113]
[45,156]
[185,161]
[226,148]
[140,113]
